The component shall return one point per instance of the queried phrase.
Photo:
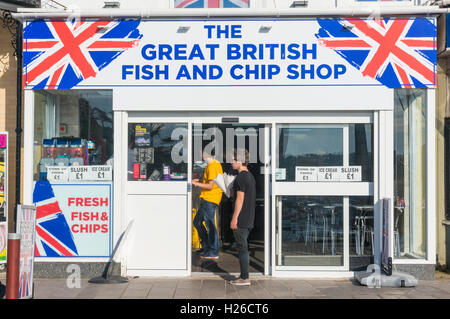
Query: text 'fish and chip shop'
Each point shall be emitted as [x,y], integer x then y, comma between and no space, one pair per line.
[270,53]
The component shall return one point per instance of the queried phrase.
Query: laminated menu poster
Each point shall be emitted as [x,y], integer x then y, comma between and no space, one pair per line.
[73,220]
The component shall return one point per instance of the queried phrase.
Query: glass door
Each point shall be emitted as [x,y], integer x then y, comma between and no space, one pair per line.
[213,141]
[323,196]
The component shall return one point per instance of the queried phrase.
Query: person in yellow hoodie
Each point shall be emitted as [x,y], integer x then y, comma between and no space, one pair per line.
[210,198]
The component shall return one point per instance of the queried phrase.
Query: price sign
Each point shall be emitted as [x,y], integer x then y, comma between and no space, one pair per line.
[306,174]
[78,173]
[328,174]
[100,173]
[90,173]
[350,174]
[57,174]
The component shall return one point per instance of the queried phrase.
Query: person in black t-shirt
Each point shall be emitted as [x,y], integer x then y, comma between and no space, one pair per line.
[244,189]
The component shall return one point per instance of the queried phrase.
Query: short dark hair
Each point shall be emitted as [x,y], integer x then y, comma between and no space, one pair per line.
[242,155]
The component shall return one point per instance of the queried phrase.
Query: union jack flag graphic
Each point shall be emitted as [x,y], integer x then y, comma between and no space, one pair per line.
[26,252]
[212,3]
[399,53]
[53,235]
[60,54]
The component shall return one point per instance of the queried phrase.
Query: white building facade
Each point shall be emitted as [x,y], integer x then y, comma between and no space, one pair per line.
[335,103]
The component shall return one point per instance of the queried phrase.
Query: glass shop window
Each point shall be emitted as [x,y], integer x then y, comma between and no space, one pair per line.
[410,125]
[310,231]
[157,152]
[73,128]
[305,153]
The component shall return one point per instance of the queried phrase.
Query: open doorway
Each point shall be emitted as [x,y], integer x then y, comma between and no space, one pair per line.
[221,139]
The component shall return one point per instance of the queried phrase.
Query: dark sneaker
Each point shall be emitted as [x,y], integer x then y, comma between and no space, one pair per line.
[240,282]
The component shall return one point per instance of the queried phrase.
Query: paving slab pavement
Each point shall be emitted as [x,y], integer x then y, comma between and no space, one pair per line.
[215,287]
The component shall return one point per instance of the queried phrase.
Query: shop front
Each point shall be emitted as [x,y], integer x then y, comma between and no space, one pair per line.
[119,112]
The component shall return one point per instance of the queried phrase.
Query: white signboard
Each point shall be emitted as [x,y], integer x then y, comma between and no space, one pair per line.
[350,174]
[100,173]
[90,173]
[143,53]
[81,219]
[78,173]
[26,224]
[328,174]
[305,174]
[58,174]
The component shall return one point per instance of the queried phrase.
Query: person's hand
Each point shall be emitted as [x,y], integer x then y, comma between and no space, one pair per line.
[233,224]
[195,181]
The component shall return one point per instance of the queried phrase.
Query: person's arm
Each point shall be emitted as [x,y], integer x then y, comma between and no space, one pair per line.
[237,209]
[207,186]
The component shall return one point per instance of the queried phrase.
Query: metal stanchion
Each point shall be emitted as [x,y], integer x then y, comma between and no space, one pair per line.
[12,270]
[107,277]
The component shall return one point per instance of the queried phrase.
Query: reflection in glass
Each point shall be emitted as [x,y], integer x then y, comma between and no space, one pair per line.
[309,231]
[361,149]
[157,152]
[410,120]
[361,226]
[299,145]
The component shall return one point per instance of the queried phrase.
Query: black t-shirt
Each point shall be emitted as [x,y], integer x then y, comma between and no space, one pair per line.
[245,182]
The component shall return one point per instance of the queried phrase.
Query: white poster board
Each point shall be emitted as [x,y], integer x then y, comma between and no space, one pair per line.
[26,225]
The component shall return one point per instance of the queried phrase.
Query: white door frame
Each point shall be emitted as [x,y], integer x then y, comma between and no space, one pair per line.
[160,188]
[317,188]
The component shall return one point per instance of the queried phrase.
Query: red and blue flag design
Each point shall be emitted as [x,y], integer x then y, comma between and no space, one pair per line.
[212,3]
[26,257]
[25,282]
[60,54]
[399,53]
[53,235]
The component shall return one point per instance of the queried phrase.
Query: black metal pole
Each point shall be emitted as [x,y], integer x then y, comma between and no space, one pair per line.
[19,42]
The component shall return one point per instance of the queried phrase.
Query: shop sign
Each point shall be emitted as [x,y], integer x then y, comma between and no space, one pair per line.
[58,174]
[26,220]
[73,220]
[390,52]
[328,174]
